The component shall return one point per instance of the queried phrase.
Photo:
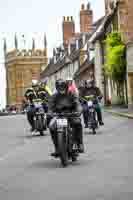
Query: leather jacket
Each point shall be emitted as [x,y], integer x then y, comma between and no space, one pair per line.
[30,94]
[64,103]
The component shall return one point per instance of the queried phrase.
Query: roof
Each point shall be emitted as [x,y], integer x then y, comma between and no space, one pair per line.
[100,30]
[84,67]
[98,22]
[53,68]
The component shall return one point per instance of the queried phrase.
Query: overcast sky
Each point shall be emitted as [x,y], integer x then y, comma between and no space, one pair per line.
[33,18]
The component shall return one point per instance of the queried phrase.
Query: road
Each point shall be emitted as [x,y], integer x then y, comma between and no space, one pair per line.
[104,172]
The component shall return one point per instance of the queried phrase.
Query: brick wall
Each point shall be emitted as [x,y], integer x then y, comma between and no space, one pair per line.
[68,29]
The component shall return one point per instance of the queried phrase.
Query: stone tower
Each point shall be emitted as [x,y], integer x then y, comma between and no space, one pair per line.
[21,67]
[68,29]
[86,19]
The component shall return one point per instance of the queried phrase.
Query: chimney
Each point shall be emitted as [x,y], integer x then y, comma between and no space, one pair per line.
[86,19]
[68,29]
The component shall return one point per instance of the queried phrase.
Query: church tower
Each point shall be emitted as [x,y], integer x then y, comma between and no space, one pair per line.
[21,67]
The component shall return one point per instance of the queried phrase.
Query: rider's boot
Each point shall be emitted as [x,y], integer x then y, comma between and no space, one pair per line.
[99,116]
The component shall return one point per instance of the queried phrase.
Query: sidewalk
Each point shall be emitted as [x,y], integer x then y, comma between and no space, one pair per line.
[120,111]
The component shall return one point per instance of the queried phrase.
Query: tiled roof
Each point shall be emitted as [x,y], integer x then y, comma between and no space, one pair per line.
[84,67]
[100,30]
[53,68]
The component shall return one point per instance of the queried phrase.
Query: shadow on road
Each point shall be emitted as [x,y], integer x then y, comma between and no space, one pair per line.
[89,132]
[35,136]
[56,164]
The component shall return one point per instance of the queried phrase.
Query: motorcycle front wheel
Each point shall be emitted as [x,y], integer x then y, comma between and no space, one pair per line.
[40,125]
[62,148]
[93,117]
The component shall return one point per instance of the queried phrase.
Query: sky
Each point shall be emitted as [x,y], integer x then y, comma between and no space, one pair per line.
[34,18]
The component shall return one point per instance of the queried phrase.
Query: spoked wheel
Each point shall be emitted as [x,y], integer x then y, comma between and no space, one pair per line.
[40,125]
[45,124]
[93,123]
[62,148]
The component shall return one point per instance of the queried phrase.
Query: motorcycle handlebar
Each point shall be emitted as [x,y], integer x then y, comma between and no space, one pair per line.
[74,114]
[98,98]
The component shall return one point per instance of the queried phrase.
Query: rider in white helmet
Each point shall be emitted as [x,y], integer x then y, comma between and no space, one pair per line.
[71,86]
[30,95]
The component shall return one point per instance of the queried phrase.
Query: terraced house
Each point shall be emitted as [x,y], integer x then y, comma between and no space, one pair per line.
[118,17]
[72,59]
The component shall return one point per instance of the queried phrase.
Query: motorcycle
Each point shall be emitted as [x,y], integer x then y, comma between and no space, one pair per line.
[92,117]
[67,145]
[40,118]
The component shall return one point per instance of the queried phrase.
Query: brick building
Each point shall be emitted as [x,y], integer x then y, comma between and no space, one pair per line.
[21,67]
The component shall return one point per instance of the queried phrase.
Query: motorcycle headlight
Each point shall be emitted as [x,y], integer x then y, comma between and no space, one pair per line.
[90,103]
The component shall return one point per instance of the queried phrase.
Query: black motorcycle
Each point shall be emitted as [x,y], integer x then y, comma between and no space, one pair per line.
[67,145]
[40,118]
[92,116]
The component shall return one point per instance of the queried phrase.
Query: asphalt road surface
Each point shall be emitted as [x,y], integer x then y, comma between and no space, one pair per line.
[103,172]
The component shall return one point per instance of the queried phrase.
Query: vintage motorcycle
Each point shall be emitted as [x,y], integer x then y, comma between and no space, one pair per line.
[67,145]
[92,116]
[40,118]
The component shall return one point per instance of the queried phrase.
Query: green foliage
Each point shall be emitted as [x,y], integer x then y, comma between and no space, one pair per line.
[115,66]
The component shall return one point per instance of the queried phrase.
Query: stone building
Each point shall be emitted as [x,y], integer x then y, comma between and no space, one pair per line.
[121,21]
[21,67]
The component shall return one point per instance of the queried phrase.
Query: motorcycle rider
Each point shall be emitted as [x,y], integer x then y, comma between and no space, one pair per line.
[44,93]
[72,86]
[44,86]
[91,89]
[30,95]
[62,101]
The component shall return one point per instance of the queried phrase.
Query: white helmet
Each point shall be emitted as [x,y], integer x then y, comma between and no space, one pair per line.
[34,83]
[69,79]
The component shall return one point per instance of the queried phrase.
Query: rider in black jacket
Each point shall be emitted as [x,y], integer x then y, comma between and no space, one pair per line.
[62,101]
[91,89]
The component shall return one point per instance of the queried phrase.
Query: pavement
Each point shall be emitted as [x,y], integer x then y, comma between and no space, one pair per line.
[103,172]
[120,111]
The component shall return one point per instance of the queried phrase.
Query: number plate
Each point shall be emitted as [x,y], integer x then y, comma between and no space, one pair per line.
[62,122]
[37,105]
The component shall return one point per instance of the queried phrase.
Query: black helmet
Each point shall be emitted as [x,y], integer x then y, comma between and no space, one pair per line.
[61,86]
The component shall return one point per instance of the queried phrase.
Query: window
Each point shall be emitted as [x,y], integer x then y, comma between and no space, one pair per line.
[19,76]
